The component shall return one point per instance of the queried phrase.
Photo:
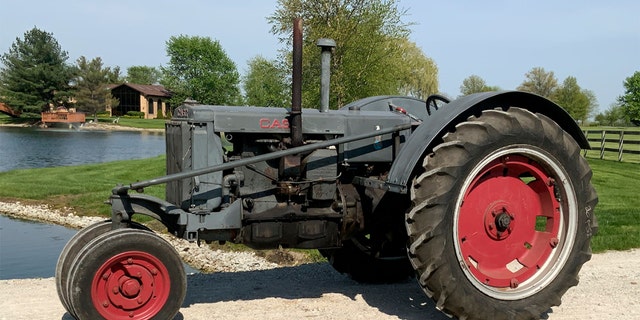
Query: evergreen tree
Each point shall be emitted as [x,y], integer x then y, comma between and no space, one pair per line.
[35,74]
[92,94]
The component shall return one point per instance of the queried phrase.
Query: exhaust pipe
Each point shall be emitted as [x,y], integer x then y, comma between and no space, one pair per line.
[326,46]
[295,116]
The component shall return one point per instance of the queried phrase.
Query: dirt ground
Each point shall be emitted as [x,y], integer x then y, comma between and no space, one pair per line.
[609,289]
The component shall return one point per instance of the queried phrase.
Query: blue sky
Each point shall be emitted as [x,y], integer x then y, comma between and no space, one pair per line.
[598,42]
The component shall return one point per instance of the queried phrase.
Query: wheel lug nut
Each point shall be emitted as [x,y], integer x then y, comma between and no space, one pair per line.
[115,290]
[105,303]
[129,261]
[554,242]
[139,300]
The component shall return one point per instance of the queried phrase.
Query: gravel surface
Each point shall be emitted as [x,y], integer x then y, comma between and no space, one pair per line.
[245,286]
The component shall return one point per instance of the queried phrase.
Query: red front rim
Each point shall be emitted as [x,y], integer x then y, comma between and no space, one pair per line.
[130,285]
[509,222]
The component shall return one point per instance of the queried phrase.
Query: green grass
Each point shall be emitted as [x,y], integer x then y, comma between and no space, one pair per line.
[86,187]
[618,210]
[136,123]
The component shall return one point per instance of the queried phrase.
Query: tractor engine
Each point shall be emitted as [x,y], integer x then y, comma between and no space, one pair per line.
[302,200]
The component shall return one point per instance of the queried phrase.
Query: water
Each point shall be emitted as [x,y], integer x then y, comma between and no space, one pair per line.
[31,249]
[23,148]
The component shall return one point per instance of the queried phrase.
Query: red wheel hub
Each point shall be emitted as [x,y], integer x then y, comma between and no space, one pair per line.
[130,285]
[509,221]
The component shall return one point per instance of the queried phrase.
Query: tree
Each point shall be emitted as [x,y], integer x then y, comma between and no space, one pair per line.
[200,69]
[373,54]
[630,101]
[475,84]
[614,116]
[143,75]
[92,94]
[35,74]
[579,103]
[266,84]
[418,73]
[540,82]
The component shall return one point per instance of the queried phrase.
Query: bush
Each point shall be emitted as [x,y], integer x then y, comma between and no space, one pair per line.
[135,114]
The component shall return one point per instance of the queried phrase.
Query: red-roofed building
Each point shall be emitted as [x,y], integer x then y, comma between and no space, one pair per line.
[150,99]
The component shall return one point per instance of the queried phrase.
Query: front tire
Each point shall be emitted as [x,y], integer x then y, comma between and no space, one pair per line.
[501,217]
[127,274]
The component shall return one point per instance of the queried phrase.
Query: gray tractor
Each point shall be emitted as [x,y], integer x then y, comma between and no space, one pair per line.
[484,199]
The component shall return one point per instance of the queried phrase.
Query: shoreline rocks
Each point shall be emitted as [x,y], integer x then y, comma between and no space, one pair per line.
[198,257]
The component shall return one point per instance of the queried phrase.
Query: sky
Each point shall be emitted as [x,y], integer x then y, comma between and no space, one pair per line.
[597,42]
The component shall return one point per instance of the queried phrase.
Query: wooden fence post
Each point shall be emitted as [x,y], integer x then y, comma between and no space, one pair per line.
[603,139]
[620,145]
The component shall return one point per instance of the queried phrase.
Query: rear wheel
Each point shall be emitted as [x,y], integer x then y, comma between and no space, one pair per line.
[127,274]
[501,217]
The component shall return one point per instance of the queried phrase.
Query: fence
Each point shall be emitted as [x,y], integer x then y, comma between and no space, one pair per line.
[614,144]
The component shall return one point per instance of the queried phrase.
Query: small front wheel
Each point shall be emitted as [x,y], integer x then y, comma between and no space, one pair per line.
[127,274]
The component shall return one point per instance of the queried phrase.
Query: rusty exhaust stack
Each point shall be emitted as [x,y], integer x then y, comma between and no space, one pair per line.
[295,116]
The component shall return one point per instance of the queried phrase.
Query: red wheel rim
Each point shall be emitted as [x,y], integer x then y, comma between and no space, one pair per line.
[509,222]
[130,285]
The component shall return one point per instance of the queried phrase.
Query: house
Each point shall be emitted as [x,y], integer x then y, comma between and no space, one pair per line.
[150,99]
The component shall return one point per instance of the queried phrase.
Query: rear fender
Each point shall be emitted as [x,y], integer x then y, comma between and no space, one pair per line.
[429,133]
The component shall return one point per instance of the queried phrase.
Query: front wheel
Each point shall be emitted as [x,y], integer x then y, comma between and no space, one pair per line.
[501,217]
[127,274]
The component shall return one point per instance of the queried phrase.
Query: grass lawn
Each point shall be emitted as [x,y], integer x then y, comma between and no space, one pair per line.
[86,187]
[136,123]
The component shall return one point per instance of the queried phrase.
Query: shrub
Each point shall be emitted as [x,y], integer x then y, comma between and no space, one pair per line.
[135,114]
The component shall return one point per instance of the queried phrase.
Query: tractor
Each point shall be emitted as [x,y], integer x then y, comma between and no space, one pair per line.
[485,200]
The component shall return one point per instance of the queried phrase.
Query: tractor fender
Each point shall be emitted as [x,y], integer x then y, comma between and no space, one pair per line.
[427,134]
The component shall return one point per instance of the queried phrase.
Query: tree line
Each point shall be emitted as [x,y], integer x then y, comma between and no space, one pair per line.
[580,103]
[373,56]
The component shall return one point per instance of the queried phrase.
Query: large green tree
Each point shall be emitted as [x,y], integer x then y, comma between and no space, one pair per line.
[475,84]
[91,91]
[540,82]
[266,84]
[578,102]
[143,75]
[418,74]
[200,69]
[630,101]
[34,73]
[373,54]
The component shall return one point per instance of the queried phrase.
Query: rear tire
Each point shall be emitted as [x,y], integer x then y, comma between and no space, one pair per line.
[127,274]
[501,217]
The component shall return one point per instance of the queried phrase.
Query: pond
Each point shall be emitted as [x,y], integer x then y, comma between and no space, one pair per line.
[31,249]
